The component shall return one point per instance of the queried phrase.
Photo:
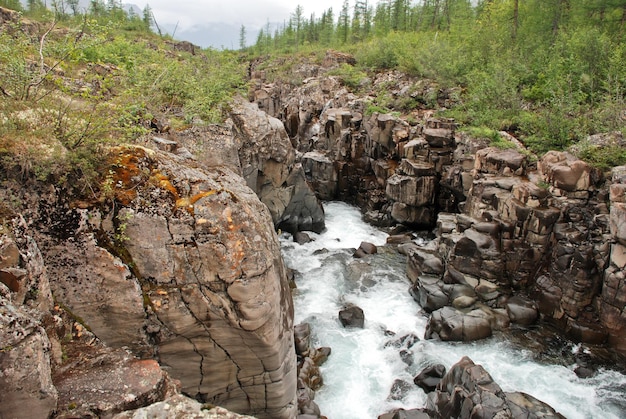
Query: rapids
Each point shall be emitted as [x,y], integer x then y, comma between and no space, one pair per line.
[365,363]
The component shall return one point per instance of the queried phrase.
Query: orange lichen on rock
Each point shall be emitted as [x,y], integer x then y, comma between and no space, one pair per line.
[163,182]
[188,202]
[125,173]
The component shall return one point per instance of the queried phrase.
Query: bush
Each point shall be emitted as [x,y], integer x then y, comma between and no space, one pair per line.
[349,75]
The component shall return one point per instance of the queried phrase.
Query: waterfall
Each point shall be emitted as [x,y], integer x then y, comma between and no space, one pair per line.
[367,363]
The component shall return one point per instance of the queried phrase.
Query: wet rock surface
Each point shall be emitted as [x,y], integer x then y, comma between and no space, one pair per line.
[352,316]
[467,390]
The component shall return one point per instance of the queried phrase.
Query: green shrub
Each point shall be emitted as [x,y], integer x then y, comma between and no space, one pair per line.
[602,157]
[350,76]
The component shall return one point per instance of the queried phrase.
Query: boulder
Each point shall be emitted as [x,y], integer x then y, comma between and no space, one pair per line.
[120,381]
[352,316]
[301,237]
[430,377]
[565,172]
[500,162]
[467,390]
[450,324]
[429,293]
[399,389]
[521,310]
[365,249]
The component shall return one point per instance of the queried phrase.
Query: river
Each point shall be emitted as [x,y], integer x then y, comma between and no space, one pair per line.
[365,363]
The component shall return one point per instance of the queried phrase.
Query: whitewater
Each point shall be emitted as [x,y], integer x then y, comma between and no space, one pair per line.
[366,363]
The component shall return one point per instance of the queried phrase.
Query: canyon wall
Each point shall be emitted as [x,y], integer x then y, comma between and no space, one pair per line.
[517,237]
[176,260]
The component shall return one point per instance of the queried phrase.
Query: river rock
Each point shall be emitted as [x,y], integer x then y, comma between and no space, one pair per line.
[430,377]
[301,237]
[365,249]
[399,389]
[467,390]
[450,324]
[352,316]
[521,310]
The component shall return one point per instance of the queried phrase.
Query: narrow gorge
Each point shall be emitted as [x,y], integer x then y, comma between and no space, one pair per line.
[170,281]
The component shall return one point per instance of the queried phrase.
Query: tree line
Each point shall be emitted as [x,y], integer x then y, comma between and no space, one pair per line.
[366,19]
[551,72]
[101,10]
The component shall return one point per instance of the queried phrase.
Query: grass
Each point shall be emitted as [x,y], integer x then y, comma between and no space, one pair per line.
[80,86]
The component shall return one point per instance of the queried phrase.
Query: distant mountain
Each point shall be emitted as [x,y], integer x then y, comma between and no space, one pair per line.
[218,35]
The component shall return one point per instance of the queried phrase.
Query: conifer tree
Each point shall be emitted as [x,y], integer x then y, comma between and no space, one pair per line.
[242,37]
[147,17]
[327,27]
[343,27]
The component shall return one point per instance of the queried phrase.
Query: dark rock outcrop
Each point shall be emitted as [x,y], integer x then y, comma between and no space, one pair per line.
[352,316]
[467,390]
[430,377]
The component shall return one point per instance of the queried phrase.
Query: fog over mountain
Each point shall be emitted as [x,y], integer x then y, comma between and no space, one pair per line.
[217,24]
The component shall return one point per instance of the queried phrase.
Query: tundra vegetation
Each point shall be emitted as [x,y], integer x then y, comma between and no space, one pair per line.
[72,80]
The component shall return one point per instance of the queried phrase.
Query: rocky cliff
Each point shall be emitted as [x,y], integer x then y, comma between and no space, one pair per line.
[175,259]
[517,237]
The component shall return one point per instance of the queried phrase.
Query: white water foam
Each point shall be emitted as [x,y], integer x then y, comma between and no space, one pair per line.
[363,367]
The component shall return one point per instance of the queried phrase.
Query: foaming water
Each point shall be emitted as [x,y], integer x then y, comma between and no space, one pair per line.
[365,364]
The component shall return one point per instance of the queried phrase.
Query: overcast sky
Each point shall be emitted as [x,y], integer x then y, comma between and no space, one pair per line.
[206,22]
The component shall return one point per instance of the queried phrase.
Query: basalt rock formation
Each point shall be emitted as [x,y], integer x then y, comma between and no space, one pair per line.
[468,391]
[517,239]
[269,166]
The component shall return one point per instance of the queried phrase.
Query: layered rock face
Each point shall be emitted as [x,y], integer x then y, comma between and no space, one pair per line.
[25,367]
[380,162]
[613,296]
[185,267]
[548,232]
[269,166]
[543,235]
